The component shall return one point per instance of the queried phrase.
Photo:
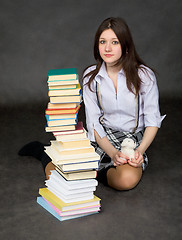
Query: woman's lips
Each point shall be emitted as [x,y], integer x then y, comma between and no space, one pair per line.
[108,55]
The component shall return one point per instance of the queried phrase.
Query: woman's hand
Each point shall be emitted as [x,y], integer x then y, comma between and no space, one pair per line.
[119,159]
[137,161]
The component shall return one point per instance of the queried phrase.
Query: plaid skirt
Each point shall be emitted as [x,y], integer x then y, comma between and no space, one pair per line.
[116,137]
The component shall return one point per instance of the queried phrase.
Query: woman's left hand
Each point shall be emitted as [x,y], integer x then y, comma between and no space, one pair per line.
[137,161]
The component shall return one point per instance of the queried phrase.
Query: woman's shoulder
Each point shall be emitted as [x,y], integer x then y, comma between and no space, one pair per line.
[146,74]
[89,69]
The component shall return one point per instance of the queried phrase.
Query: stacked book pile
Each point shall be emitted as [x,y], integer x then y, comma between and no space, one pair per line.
[69,192]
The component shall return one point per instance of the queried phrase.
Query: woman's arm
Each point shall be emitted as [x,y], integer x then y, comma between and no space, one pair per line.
[117,157]
[148,137]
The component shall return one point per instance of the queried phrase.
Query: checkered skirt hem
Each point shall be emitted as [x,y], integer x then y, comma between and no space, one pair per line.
[116,137]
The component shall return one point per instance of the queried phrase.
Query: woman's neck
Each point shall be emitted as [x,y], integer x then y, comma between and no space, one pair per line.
[112,69]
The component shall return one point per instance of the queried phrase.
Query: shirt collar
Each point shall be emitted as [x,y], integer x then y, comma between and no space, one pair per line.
[103,73]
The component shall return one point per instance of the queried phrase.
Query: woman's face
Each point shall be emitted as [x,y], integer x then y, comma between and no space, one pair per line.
[109,47]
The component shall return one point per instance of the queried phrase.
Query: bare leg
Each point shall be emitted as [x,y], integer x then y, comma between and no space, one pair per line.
[48,169]
[124,177]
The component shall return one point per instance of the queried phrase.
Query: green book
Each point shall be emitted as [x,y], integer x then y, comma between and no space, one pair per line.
[62,74]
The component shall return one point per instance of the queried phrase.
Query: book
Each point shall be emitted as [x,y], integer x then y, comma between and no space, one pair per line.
[78,129]
[58,203]
[78,175]
[73,136]
[74,212]
[69,144]
[47,207]
[61,82]
[71,151]
[61,159]
[66,99]
[61,116]
[63,106]
[61,188]
[72,197]
[62,74]
[65,92]
[58,111]
[71,185]
[59,128]
[72,167]
[62,87]
[60,122]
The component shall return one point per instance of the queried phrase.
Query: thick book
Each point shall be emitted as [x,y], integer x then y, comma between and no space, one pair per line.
[71,185]
[71,151]
[65,108]
[78,175]
[66,99]
[65,92]
[60,128]
[44,192]
[62,74]
[72,197]
[70,159]
[47,207]
[75,167]
[61,188]
[74,212]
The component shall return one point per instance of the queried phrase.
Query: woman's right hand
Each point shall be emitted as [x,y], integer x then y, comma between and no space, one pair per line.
[119,159]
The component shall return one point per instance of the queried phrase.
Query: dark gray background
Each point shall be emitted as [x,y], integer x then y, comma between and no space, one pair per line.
[39,35]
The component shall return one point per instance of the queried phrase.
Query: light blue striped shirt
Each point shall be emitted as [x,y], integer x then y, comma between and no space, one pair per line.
[120,107]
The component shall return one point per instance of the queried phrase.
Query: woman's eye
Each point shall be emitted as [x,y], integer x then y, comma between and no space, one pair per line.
[115,42]
[102,42]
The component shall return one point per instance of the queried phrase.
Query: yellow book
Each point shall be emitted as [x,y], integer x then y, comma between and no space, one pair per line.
[58,203]
[65,92]
[73,150]
[70,159]
[80,143]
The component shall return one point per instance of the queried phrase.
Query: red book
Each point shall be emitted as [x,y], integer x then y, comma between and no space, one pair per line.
[59,111]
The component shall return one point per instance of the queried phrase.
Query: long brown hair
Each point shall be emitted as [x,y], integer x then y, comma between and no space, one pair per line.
[129,60]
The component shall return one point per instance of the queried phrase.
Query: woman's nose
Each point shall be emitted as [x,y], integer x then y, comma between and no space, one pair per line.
[108,47]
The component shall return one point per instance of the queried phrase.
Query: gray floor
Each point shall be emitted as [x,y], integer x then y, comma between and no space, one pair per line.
[151,211]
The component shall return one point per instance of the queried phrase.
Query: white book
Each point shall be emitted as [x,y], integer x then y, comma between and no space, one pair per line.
[72,198]
[72,185]
[65,191]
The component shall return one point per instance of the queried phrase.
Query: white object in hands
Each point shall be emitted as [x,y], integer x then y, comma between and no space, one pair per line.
[127,147]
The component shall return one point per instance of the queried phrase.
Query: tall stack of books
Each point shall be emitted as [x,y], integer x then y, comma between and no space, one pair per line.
[69,192]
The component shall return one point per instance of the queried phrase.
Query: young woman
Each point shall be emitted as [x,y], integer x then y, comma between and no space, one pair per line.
[121,100]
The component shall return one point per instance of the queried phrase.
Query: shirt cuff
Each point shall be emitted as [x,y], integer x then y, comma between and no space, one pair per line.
[154,120]
[99,129]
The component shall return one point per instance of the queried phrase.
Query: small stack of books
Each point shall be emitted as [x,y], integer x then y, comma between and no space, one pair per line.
[69,192]
[65,96]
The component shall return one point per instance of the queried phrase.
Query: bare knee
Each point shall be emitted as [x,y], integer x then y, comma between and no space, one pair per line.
[126,178]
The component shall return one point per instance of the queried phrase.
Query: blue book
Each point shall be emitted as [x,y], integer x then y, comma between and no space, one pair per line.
[47,207]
